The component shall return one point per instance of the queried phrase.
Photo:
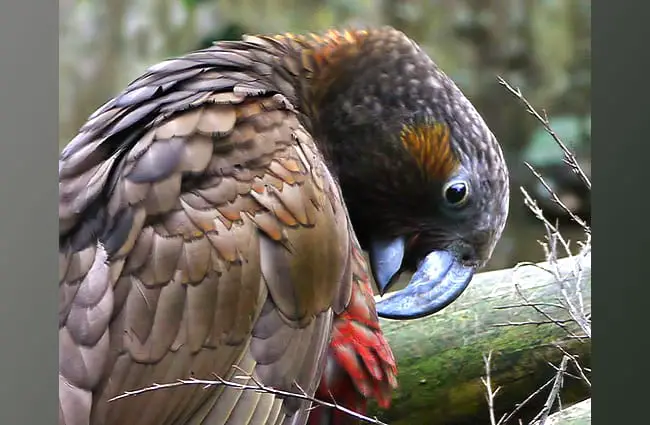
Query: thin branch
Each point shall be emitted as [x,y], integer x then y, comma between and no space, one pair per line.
[540,304]
[571,300]
[557,199]
[487,382]
[553,394]
[549,318]
[553,236]
[539,323]
[570,158]
[553,232]
[519,406]
[576,363]
[257,387]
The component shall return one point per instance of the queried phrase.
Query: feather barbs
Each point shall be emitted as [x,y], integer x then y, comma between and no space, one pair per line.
[329,46]
[429,144]
[321,57]
[322,48]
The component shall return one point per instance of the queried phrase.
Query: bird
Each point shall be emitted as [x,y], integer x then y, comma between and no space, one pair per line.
[212,215]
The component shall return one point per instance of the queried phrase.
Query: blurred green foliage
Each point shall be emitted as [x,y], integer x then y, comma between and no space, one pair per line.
[573,130]
[542,46]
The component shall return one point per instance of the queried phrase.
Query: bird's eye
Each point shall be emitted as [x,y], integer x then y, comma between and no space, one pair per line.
[456,192]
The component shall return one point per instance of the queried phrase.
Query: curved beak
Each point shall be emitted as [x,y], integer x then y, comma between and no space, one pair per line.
[439,280]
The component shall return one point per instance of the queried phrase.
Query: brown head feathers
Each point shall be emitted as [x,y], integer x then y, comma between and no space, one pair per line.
[429,144]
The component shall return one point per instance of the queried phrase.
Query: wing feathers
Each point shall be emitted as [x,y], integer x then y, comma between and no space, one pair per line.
[200,229]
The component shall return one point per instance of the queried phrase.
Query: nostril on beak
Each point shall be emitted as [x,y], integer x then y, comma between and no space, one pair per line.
[467,255]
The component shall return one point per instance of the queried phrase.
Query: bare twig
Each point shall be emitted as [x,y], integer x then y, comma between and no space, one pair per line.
[519,406]
[553,232]
[576,363]
[539,323]
[540,304]
[487,382]
[576,312]
[257,387]
[553,236]
[538,309]
[491,393]
[569,157]
[557,199]
[571,300]
[542,312]
[554,393]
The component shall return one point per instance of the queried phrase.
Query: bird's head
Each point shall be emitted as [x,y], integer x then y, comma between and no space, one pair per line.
[423,177]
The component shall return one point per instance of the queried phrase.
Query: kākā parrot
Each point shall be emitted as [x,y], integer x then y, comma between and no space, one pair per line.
[212,215]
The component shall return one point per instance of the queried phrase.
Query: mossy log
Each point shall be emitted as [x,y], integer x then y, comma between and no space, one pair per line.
[440,358]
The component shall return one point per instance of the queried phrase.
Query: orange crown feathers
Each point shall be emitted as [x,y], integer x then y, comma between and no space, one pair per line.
[331,43]
[322,48]
[429,144]
[322,56]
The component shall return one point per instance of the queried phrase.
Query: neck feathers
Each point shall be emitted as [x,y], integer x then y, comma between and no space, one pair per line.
[312,63]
